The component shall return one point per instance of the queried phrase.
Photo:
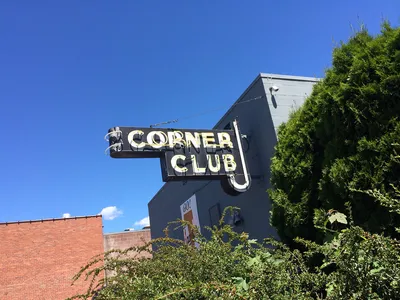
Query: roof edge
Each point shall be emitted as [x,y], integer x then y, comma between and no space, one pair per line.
[156,194]
[123,232]
[48,220]
[259,76]
[289,77]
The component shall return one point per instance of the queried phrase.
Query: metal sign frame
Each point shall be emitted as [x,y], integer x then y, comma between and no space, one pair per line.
[187,154]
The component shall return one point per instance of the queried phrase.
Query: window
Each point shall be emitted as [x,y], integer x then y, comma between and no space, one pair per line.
[215,214]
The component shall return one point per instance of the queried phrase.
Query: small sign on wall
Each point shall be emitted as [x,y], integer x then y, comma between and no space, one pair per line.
[189,213]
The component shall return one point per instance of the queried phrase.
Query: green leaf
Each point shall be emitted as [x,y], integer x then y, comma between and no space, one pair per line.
[254,261]
[330,288]
[240,283]
[338,217]
[324,265]
[277,261]
[329,237]
[361,256]
[375,271]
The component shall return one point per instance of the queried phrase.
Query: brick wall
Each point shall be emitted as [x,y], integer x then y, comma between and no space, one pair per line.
[127,239]
[38,259]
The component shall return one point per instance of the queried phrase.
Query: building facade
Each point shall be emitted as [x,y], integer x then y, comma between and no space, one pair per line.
[127,239]
[263,106]
[39,258]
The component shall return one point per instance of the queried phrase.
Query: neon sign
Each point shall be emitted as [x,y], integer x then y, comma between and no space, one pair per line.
[187,154]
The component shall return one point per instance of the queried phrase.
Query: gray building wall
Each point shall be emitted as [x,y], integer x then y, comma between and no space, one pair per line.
[259,120]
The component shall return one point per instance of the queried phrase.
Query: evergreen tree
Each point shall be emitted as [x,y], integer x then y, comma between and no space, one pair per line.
[342,141]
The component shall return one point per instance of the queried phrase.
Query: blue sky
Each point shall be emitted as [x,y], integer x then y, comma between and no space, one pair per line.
[69,70]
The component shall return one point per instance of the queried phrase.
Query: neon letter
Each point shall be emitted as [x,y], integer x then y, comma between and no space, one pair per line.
[217,166]
[229,162]
[224,139]
[131,136]
[190,139]
[208,139]
[175,164]
[196,168]
[151,140]
[175,137]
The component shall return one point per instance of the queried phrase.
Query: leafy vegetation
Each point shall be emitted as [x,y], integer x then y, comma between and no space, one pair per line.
[336,198]
[355,265]
[342,141]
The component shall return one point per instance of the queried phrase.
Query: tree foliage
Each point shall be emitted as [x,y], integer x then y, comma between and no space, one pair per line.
[342,141]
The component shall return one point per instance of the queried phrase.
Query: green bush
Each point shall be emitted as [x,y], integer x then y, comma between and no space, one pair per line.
[355,265]
[342,141]
[227,266]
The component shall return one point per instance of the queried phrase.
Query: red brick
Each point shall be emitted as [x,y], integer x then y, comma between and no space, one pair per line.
[38,259]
